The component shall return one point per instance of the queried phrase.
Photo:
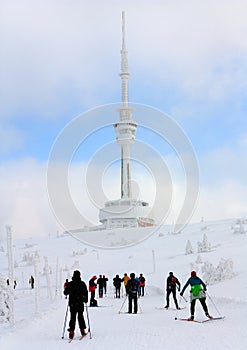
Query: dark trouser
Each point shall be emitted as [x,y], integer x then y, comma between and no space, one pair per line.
[105,289]
[193,303]
[100,292]
[79,312]
[133,298]
[92,295]
[173,291]
[142,290]
[118,292]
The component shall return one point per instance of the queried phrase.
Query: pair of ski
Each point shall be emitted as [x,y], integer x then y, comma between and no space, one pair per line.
[81,337]
[203,321]
[169,308]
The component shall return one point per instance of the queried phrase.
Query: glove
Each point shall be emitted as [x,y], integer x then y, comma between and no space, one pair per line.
[181,294]
[179,289]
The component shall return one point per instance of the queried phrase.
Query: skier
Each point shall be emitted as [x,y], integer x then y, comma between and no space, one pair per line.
[92,288]
[117,284]
[125,281]
[100,283]
[31,282]
[105,280]
[171,286]
[132,290]
[78,295]
[198,289]
[65,285]
[142,284]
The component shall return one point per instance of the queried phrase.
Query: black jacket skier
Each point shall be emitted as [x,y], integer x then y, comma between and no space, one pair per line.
[117,284]
[171,286]
[100,282]
[78,295]
[132,291]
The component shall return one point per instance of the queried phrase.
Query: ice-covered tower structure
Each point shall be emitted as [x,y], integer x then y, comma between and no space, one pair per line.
[126,211]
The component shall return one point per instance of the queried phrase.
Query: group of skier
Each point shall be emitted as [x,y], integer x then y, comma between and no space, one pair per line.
[117,282]
[134,288]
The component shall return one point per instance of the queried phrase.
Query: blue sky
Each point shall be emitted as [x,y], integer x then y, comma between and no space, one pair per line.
[62,58]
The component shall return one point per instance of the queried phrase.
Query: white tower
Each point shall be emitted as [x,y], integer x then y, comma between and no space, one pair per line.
[126,127]
[125,212]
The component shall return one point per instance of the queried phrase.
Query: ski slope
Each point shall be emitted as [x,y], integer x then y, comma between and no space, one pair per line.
[152,327]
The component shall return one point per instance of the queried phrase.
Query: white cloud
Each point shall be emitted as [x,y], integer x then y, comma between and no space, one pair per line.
[55,51]
[26,206]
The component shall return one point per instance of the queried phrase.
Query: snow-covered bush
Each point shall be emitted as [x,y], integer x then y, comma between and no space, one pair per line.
[189,248]
[223,271]
[239,227]
[204,246]
[4,302]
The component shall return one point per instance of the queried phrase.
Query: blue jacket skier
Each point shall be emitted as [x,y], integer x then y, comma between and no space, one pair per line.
[197,291]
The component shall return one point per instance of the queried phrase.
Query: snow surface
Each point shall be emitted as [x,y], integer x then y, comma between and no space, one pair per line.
[40,326]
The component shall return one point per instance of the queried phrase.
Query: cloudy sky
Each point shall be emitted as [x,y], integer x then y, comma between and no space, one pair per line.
[60,59]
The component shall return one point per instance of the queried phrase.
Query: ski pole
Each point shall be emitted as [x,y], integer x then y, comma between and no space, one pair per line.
[122,304]
[178,309]
[184,298]
[89,327]
[213,304]
[65,320]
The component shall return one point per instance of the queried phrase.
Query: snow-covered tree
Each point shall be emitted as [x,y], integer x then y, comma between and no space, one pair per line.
[189,248]
[204,246]
[223,271]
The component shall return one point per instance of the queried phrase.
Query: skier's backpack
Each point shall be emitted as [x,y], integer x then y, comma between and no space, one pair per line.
[195,290]
[174,281]
[133,286]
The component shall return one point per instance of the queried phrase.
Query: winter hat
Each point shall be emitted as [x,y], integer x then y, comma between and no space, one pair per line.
[171,273]
[76,274]
[132,275]
[94,277]
[193,273]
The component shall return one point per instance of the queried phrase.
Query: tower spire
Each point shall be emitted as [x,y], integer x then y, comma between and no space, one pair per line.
[124,67]
[126,127]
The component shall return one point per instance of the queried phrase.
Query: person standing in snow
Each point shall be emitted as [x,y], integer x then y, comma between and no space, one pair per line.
[198,289]
[171,287]
[105,280]
[92,288]
[142,284]
[65,285]
[132,291]
[100,283]
[31,281]
[78,295]
[117,284]
[125,281]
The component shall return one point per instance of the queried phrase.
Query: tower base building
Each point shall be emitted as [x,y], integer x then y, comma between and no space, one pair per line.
[125,213]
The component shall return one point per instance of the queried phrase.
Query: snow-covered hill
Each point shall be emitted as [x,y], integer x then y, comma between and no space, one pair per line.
[39,313]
